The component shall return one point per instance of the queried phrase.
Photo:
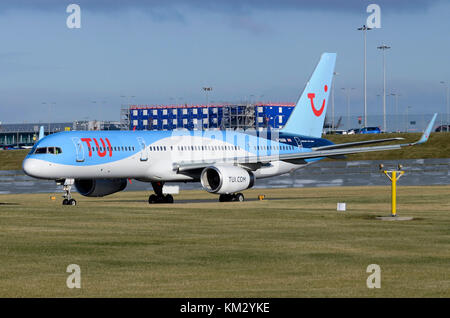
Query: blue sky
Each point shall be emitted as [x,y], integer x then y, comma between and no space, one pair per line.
[165,51]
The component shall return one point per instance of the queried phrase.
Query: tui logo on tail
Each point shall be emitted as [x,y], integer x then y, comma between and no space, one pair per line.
[311,96]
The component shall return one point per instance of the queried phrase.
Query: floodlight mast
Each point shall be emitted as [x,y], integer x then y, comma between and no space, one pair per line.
[384,48]
[207,89]
[447,97]
[364,28]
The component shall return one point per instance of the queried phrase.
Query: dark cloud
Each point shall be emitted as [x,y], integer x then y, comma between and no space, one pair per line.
[224,6]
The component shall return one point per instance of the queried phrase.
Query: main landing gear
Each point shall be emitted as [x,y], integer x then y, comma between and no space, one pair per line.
[67,186]
[159,197]
[231,197]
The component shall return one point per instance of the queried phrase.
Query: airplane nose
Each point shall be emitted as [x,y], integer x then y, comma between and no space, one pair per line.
[31,167]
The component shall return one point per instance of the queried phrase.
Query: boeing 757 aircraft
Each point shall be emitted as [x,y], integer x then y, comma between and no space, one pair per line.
[98,163]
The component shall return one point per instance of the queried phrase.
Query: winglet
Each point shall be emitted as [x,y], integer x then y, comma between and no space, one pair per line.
[426,133]
[41,132]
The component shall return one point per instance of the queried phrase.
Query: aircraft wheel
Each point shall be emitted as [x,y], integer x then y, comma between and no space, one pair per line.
[72,202]
[239,197]
[169,198]
[65,202]
[152,199]
[225,197]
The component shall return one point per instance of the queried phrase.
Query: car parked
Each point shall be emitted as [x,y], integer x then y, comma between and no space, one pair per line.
[353,131]
[370,130]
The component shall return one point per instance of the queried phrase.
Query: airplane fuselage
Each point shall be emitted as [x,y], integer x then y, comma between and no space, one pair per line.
[153,155]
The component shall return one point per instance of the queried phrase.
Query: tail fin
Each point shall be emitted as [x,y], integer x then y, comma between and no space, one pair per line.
[41,133]
[308,115]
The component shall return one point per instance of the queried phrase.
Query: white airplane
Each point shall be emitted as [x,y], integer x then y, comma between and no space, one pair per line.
[98,163]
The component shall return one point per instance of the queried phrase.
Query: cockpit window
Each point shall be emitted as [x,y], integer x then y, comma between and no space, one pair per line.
[50,150]
[40,151]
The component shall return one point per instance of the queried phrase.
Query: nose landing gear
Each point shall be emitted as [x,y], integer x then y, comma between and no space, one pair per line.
[159,197]
[67,187]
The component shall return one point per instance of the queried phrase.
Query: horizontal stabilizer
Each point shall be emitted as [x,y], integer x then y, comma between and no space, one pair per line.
[357,143]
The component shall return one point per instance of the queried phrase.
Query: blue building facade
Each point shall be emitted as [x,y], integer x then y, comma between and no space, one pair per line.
[198,117]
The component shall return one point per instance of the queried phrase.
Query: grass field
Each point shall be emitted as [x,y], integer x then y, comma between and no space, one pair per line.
[294,244]
[437,147]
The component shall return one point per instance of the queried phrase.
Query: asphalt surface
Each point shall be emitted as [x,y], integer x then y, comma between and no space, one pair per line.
[321,174]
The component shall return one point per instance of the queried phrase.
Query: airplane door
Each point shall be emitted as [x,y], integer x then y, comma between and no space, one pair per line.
[144,154]
[247,148]
[79,150]
[298,141]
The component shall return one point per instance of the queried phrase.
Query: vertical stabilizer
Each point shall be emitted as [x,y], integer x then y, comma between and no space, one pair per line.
[308,116]
[41,132]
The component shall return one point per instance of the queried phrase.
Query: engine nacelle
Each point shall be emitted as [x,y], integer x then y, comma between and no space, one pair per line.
[226,179]
[99,187]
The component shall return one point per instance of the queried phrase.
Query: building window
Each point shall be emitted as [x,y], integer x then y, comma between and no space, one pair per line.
[164,111]
[164,121]
[144,112]
[194,111]
[184,111]
[145,122]
[155,112]
[135,112]
[135,123]
[205,111]
[174,111]
[155,122]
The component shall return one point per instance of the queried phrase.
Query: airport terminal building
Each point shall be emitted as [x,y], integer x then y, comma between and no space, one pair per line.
[200,117]
[162,117]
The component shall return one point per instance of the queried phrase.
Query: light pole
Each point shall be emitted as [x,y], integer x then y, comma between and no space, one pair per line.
[332,101]
[384,48]
[207,89]
[396,95]
[448,111]
[49,113]
[347,93]
[364,28]
[407,118]
[45,103]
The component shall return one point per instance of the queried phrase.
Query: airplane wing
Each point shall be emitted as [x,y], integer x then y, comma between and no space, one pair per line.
[319,152]
[356,143]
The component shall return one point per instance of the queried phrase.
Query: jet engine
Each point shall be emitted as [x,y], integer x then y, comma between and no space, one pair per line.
[99,187]
[226,179]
